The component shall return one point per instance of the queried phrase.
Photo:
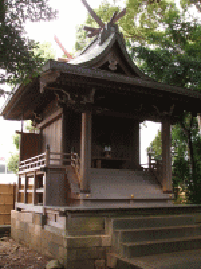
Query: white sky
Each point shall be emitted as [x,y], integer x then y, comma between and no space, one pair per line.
[71,13]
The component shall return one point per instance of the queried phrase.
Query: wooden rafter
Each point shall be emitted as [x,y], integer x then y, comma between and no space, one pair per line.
[118,16]
[93,14]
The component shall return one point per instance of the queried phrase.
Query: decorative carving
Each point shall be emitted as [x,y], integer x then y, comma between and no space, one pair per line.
[49,76]
[164,113]
[37,118]
[113,61]
[71,98]
[113,65]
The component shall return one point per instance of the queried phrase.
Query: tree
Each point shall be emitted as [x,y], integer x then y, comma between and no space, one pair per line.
[155,148]
[17,57]
[44,52]
[13,161]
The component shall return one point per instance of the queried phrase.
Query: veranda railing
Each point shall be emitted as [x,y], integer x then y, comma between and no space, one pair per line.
[50,160]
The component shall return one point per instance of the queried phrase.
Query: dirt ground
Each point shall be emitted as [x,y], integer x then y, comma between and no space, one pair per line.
[14,255]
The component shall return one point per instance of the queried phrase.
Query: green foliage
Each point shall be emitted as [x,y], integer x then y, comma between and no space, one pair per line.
[16,141]
[44,51]
[13,163]
[17,57]
[155,147]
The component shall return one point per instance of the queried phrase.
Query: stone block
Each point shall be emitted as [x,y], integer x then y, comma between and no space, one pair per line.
[85,264]
[13,223]
[83,241]
[100,264]
[85,224]
[15,234]
[37,230]
[71,254]
[58,239]
[106,240]
[28,217]
[90,253]
[15,214]
[39,219]
[46,238]
[111,260]
[17,225]
[31,228]
[53,248]
[61,254]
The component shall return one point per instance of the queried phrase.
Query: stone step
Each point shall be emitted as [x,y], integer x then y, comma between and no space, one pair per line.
[176,260]
[152,234]
[148,248]
[143,222]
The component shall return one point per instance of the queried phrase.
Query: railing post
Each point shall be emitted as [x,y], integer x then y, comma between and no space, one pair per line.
[25,189]
[149,161]
[48,155]
[72,157]
[45,189]
[34,190]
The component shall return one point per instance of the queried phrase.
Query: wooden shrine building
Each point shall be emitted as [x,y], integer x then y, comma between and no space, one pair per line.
[88,112]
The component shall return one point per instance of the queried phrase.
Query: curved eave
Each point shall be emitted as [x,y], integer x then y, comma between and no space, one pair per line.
[108,76]
[18,98]
[95,52]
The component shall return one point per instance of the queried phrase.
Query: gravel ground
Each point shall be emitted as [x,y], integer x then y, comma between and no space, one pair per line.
[14,255]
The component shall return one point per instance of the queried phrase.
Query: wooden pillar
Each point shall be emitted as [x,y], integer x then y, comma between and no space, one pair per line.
[18,189]
[25,189]
[166,156]
[45,186]
[21,141]
[47,155]
[135,145]
[66,131]
[85,152]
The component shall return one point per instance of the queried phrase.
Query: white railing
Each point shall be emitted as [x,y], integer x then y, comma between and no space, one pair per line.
[155,168]
[51,160]
[75,162]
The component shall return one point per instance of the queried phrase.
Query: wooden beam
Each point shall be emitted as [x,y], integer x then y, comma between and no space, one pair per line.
[121,14]
[50,119]
[93,14]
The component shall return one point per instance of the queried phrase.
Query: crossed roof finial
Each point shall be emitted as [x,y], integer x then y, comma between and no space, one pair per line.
[95,31]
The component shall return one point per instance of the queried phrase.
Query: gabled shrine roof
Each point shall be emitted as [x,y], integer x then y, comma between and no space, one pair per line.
[106,42]
[103,77]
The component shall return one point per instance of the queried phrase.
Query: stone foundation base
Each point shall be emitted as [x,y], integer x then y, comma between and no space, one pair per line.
[75,242]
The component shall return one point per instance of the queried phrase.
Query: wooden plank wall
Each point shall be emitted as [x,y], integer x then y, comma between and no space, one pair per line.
[29,145]
[7,202]
[52,135]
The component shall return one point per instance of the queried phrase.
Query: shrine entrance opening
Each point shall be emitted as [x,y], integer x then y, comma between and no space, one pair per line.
[148,131]
[115,142]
